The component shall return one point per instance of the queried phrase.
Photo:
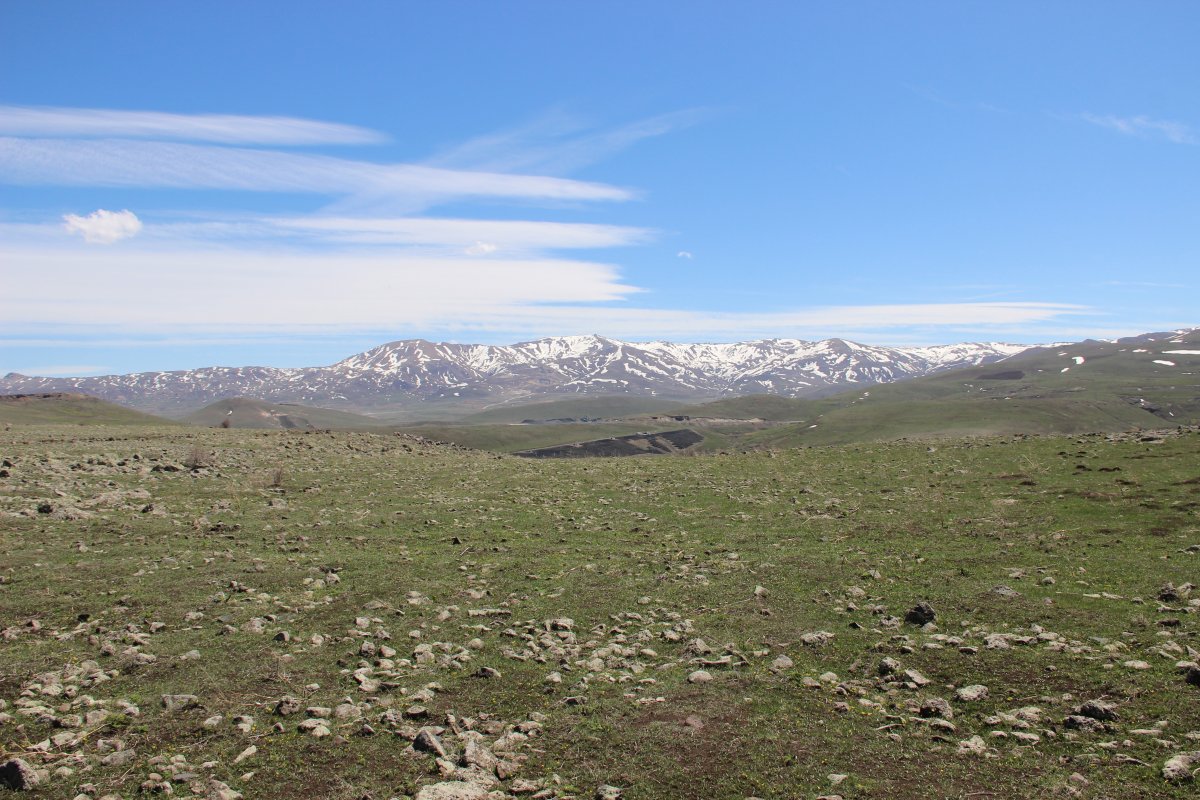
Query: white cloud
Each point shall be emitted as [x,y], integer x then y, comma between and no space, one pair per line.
[217,289]
[104,227]
[684,254]
[224,128]
[226,290]
[116,162]
[482,249]
[1175,132]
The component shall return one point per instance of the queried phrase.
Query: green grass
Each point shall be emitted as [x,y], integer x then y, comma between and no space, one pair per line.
[593,407]
[247,412]
[841,539]
[514,437]
[69,409]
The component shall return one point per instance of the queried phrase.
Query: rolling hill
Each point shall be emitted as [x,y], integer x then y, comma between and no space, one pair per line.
[246,412]
[61,408]
[1149,381]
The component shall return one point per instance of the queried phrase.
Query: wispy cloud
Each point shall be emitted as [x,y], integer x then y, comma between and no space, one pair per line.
[557,142]
[103,227]
[1175,132]
[481,237]
[221,291]
[223,128]
[117,162]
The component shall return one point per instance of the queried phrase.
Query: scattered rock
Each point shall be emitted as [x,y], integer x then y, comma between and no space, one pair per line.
[287,705]
[17,774]
[782,663]
[427,741]
[1182,768]
[973,746]
[1097,709]
[179,702]
[699,676]
[936,707]
[920,614]
[452,790]
[972,693]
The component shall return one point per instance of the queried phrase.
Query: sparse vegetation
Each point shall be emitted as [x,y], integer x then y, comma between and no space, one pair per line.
[198,458]
[400,582]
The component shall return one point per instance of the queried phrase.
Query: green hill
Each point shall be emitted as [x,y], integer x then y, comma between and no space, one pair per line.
[62,408]
[1146,381]
[574,409]
[246,412]
[753,406]
[512,438]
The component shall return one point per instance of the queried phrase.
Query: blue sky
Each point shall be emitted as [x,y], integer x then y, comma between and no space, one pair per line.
[287,183]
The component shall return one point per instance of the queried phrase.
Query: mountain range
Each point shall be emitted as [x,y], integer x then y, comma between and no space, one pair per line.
[408,372]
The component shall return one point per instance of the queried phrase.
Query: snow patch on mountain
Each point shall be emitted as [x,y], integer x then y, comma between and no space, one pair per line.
[417,370]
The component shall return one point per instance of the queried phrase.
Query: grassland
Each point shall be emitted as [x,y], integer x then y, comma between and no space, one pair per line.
[553,616]
[69,409]
[246,412]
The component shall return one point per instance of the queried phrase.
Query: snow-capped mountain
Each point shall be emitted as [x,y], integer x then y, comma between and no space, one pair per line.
[404,372]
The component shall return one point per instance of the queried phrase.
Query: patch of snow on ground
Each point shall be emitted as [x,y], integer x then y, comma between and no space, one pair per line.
[1078,359]
[1164,363]
[1064,369]
[1182,352]
[1141,351]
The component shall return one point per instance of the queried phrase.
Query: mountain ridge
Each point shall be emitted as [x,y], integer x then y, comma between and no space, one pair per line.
[411,371]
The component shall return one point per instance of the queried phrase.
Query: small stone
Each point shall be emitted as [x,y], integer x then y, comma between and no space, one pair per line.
[936,707]
[699,676]
[920,614]
[816,638]
[287,705]
[1081,723]
[973,746]
[247,753]
[452,790]
[1097,709]
[1181,768]
[972,693]
[916,677]
[179,702]
[782,663]
[888,666]
[427,741]
[606,792]
[17,774]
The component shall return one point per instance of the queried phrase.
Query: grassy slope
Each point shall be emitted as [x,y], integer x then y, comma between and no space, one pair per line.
[511,438]
[70,409]
[1053,395]
[755,406]
[836,536]
[251,413]
[572,408]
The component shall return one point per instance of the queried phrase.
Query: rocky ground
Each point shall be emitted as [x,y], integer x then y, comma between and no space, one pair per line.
[227,614]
